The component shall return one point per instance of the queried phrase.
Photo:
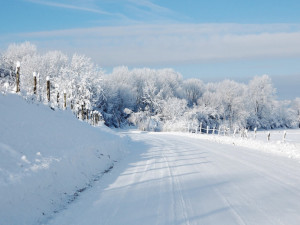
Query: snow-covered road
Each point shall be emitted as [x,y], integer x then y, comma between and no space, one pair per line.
[171,179]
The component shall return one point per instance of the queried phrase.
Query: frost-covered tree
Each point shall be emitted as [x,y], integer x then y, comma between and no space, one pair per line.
[16,53]
[261,95]
[151,99]
[232,99]
[296,108]
[193,89]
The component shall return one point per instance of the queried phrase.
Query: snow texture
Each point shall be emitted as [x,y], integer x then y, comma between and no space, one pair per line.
[47,158]
[288,147]
[182,180]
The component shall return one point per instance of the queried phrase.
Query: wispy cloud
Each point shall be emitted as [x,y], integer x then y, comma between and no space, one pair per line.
[175,43]
[126,11]
[68,6]
[150,5]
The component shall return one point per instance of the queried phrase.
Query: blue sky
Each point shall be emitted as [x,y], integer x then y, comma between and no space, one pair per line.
[211,40]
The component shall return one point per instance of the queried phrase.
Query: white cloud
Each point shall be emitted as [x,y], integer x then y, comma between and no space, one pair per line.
[175,43]
[150,5]
[68,6]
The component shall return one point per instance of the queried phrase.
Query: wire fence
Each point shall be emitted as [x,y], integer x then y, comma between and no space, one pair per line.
[276,135]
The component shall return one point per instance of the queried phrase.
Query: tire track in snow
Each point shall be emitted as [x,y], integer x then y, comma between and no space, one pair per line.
[137,177]
[242,194]
[176,190]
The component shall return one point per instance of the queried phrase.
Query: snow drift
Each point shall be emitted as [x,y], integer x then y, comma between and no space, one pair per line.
[47,158]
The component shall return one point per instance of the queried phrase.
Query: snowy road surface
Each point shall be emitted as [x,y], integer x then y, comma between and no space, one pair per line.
[169,179]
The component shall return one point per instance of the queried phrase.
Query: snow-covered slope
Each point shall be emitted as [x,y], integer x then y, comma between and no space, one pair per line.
[47,158]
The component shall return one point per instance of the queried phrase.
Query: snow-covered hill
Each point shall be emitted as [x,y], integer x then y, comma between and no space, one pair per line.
[47,158]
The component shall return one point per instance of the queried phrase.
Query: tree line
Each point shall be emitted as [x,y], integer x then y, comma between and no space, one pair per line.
[159,100]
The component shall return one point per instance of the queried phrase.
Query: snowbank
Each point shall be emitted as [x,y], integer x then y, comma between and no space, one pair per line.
[47,158]
[289,148]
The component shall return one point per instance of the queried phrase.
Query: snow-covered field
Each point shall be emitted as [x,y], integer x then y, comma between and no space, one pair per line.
[55,170]
[288,147]
[47,158]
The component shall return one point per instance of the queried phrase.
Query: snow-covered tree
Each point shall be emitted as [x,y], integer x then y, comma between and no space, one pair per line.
[261,95]
[151,99]
[193,90]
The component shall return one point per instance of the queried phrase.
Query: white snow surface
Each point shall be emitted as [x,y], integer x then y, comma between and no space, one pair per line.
[288,147]
[179,179]
[47,158]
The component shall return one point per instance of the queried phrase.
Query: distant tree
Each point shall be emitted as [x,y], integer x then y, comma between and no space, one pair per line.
[193,89]
[296,107]
[261,97]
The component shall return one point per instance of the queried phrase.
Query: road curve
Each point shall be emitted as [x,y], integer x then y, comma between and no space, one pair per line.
[170,179]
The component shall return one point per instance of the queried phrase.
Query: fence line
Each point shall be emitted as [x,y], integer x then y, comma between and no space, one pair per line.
[91,116]
[242,132]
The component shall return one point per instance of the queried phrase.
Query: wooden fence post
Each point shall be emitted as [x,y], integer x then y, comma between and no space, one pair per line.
[214,128]
[207,129]
[96,118]
[65,99]
[255,129]
[48,88]
[200,128]
[18,64]
[269,135]
[34,83]
[284,135]
[82,112]
[57,97]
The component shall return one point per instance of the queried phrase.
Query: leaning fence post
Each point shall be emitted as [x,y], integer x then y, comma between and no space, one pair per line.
[93,117]
[65,99]
[34,83]
[18,64]
[246,133]
[284,135]
[97,118]
[82,112]
[234,132]
[48,88]
[269,135]
[57,97]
